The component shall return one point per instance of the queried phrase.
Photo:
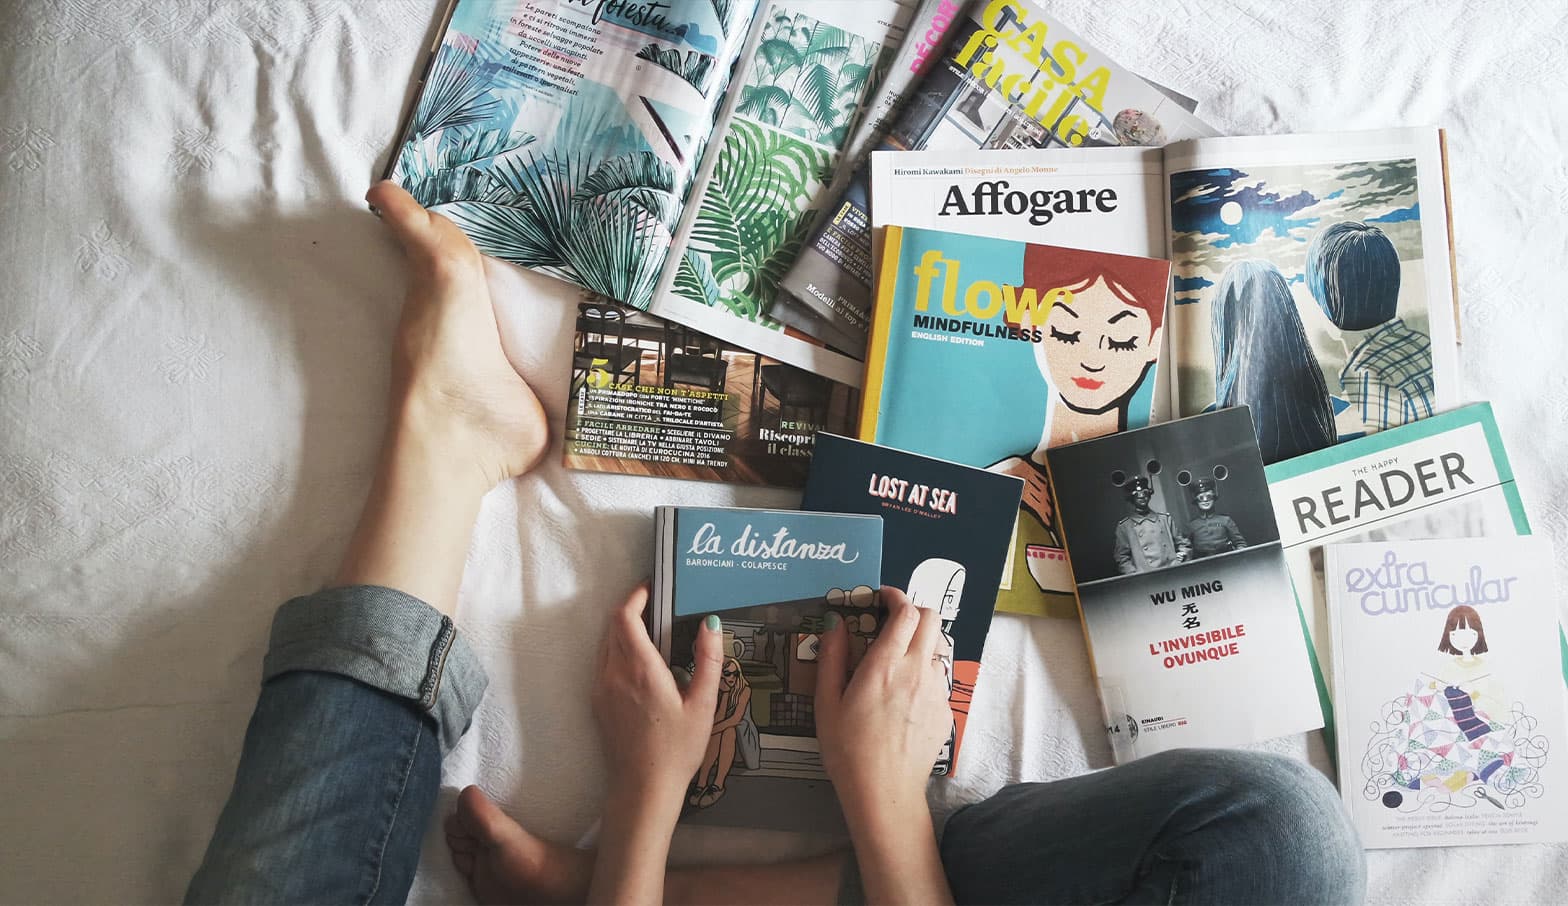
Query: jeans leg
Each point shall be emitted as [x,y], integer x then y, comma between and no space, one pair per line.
[1187,826]
[364,689]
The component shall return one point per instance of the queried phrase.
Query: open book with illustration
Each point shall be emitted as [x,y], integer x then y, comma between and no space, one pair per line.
[1449,691]
[1020,347]
[1311,274]
[668,156]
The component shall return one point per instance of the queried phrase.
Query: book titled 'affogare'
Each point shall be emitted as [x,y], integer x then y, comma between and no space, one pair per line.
[772,577]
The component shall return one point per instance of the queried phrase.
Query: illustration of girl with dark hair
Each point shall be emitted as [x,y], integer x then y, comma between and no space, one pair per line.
[1097,349]
[734,736]
[1454,738]
[1262,360]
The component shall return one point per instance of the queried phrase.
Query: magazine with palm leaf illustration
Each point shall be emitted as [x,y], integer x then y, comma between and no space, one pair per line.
[667,156]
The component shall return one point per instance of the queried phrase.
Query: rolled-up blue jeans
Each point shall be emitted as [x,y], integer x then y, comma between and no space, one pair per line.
[365,688]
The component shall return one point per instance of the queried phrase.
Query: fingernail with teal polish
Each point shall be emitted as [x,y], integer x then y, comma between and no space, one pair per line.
[832,620]
[712,622]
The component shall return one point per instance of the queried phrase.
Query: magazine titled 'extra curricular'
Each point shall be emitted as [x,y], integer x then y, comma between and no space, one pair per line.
[1449,691]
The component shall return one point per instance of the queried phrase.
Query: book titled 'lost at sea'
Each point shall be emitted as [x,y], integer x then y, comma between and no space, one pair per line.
[772,577]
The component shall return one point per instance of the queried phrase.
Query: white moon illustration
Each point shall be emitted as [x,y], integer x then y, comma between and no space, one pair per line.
[1230,212]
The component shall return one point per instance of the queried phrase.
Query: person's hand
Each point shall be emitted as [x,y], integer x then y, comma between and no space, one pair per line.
[881,733]
[1037,490]
[654,733]
[450,376]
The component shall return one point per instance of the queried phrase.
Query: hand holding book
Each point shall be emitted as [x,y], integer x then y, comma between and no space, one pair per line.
[879,734]
[654,735]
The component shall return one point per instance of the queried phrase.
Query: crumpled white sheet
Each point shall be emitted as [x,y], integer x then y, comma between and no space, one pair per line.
[193,337]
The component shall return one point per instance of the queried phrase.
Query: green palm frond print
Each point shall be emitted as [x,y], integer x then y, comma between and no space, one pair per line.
[454,95]
[752,221]
[454,167]
[809,78]
[597,225]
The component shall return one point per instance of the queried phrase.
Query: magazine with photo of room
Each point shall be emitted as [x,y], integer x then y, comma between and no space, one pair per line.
[1193,631]
[657,398]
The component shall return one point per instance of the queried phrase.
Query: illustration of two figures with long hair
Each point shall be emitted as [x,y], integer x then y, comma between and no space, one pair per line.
[1262,357]
[1452,738]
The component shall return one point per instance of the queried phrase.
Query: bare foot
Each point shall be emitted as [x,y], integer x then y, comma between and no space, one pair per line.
[505,864]
[448,356]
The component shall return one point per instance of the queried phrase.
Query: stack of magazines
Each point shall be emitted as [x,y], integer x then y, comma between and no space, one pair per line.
[1220,374]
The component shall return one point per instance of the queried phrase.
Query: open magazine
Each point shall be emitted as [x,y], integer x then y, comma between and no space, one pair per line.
[1009,77]
[668,156]
[1311,274]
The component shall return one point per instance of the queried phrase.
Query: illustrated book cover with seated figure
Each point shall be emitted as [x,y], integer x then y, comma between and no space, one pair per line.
[772,577]
[945,534]
[1193,632]
[1449,691]
[1020,347]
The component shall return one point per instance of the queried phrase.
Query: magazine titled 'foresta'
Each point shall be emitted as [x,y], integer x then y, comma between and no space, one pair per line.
[669,156]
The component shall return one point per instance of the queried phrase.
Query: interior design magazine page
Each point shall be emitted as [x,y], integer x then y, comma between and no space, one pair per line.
[1312,282]
[653,397]
[1010,76]
[565,137]
[1449,691]
[795,101]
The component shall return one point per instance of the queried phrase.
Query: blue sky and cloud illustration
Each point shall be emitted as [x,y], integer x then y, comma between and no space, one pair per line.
[1225,214]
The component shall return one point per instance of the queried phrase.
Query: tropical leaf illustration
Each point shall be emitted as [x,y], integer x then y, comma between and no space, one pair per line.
[816,92]
[694,279]
[505,231]
[722,9]
[452,166]
[609,238]
[753,217]
[779,54]
[765,103]
[693,66]
[454,94]
[809,78]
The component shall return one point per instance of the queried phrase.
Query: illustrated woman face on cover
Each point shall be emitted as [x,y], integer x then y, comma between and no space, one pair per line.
[1099,345]
[1463,635]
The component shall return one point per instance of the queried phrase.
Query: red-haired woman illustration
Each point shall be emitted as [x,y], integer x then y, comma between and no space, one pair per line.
[1100,343]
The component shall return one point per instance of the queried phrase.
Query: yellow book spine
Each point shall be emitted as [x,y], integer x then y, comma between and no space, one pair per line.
[881,330]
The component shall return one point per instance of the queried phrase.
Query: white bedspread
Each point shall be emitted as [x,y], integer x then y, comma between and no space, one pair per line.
[195,313]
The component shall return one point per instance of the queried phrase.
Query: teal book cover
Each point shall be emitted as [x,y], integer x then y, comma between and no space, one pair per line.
[772,577]
[1021,347]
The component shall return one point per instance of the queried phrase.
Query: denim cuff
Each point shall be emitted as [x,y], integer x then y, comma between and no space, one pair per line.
[386,639]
